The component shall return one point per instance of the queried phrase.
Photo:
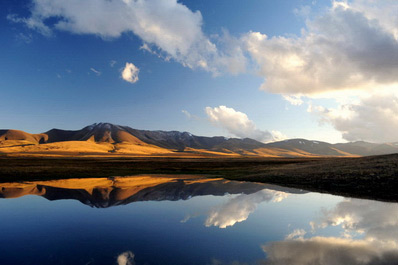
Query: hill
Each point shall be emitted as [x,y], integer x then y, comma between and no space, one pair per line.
[110,139]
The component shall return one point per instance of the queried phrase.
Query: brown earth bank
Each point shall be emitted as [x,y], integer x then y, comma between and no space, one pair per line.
[374,177]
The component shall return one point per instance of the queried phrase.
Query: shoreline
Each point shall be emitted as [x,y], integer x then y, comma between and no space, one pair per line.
[374,177]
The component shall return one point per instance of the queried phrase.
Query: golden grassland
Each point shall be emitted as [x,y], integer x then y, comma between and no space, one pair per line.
[131,148]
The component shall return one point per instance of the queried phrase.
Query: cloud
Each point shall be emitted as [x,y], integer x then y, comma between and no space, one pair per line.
[130,73]
[112,63]
[126,258]
[302,11]
[186,113]
[167,24]
[293,99]
[344,48]
[98,73]
[31,23]
[349,46]
[328,251]
[372,118]
[25,38]
[240,207]
[238,124]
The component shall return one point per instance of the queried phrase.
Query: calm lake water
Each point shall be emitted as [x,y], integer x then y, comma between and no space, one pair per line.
[189,220]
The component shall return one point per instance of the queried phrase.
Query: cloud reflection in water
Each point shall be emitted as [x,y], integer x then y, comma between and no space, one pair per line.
[369,236]
[240,207]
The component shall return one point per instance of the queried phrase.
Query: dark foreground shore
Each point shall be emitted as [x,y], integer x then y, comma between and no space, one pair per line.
[365,177]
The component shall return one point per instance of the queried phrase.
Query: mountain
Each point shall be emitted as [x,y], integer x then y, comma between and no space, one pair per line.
[363,148]
[306,147]
[177,141]
[107,138]
[101,132]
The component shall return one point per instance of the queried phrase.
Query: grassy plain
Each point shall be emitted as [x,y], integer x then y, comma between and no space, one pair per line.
[373,177]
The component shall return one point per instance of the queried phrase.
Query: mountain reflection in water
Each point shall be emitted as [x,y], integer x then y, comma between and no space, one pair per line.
[190,220]
[107,192]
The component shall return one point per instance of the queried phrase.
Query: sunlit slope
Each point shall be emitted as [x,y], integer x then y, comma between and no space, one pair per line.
[27,138]
[81,147]
[96,140]
[109,139]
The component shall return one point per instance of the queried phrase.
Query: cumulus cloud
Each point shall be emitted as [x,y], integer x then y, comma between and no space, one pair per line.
[373,118]
[240,207]
[167,24]
[348,47]
[130,73]
[126,258]
[351,46]
[238,124]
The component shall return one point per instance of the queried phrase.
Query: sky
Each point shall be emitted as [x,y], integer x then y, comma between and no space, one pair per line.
[263,69]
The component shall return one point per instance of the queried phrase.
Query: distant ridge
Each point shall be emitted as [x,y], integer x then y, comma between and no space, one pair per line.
[110,138]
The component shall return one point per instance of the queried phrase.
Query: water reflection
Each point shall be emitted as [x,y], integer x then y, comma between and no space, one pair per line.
[106,192]
[177,222]
[237,209]
[368,235]
[126,258]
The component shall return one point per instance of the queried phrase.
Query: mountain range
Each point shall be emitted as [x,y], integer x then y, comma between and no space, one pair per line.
[110,139]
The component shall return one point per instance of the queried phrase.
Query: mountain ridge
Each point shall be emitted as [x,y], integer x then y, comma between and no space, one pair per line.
[110,138]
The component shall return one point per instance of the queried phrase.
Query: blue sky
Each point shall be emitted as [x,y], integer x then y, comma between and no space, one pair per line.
[209,59]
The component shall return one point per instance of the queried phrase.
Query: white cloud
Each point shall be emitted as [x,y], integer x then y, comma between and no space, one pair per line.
[186,113]
[169,25]
[240,207]
[345,48]
[373,118]
[351,46]
[32,23]
[98,73]
[238,124]
[293,99]
[130,73]
[126,258]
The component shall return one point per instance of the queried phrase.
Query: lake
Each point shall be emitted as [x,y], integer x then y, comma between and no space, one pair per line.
[165,219]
